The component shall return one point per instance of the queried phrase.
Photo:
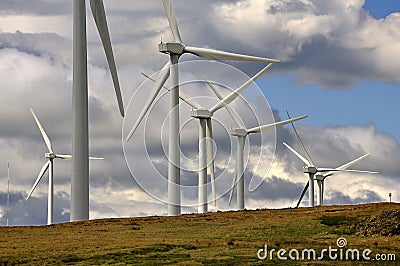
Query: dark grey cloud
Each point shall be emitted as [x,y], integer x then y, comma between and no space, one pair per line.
[337,198]
[40,7]
[320,56]
[275,188]
[39,44]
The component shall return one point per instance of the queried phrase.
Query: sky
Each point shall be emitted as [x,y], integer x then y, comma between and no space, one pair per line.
[339,64]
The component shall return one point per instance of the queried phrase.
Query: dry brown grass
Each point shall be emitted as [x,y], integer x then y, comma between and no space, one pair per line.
[222,238]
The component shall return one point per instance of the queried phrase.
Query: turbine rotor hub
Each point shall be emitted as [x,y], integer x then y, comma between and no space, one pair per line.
[50,155]
[319,177]
[240,132]
[176,48]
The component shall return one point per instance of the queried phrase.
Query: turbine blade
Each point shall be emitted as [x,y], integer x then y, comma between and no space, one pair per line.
[277,124]
[161,79]
[325,169]
[210,155]
[99,16]
[44,135]
[302,194]
[345,166]
[360,171]
[344,170]
[233,95]
[221,55]
[41,173]
[172,20]
[305,152]
[188,99]
[69,157]
[230,110]
[64,156]
[297,154]
[96,158]
[184,97]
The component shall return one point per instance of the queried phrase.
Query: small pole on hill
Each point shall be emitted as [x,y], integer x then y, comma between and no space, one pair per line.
[8,192]
[390,197]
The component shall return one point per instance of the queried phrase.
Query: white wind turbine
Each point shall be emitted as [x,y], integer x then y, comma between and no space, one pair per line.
[206,147]
[198,109]
[321,178]
[241,132]
[49,165]
[175,49]
[318,173]
[80,127]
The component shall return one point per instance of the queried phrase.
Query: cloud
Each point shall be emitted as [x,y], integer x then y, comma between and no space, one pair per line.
[333,45]
[39,44]
[337,198]
[41,7]
[330,44]
[344,143]
[33,211]
[332,147]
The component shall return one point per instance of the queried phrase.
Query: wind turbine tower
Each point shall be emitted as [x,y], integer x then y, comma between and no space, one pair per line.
[80,127]
[80,134]
[241,132]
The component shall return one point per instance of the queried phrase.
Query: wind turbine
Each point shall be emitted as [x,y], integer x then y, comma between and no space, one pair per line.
[320,177]
[206,148]
[80,127]
[204,117]
[175,49]
[49,166]
[241,132]
[318,173]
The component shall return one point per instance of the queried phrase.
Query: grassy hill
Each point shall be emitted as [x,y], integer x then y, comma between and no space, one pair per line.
[221,238]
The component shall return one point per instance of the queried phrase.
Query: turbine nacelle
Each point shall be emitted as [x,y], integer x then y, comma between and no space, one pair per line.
[171,48]
[319,177]
[310,169]
[201,113]
[50,155]
[239,132]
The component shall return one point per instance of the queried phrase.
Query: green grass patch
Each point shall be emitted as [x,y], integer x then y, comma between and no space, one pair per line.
[338,220]
[343,225]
